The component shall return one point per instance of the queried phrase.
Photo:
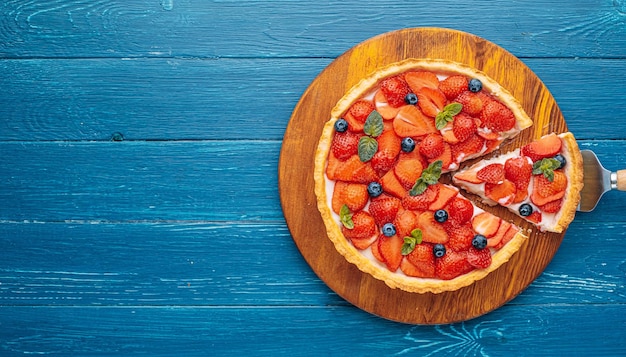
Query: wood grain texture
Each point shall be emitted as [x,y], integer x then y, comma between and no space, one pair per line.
[297,187]
[185,28]
[184,99]
[194,264]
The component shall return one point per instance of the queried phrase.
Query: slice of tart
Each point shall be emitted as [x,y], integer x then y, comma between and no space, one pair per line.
[378,166]
[540,181]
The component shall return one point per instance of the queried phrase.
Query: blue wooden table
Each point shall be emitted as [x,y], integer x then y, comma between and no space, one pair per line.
[139,205]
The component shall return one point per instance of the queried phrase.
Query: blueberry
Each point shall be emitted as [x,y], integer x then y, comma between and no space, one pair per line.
[374,189]
[410,99]
[439,250]
[475,85]
[408,144]
[479,241]
[525,210]
[560,159]
[341,125]
[389,229]
[441,215]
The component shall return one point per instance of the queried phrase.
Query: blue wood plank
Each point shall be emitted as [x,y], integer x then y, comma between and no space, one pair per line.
[178,99]
[140,28]
[235,264]
[308,331]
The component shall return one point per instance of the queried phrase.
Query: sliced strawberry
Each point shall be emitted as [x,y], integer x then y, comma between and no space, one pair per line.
[364,226]
[421,260]
[384,209]
[395,90]
[486,224]
[479,258]
[510,233]
[382,106]
[445,157]
[463,126]
[503,193]
[472,102]
[552,207]
[432,146]
[345,144]
[376,250]
[545,191]
[392,185]
[547,146]
[389,146]
[408,170]
[487,134]
[422,201]
[460,210]
[467,176]
[391,250]
[460,236]
[497,117]
[448,134]
[363,243]
[350,170]
[446,194]
[535,217]
[354,195]
[405,222]
[492,173]
[359,111]
[471,146]
[431,101]
[421,79]
[453,86]
[491,145]
[495,240]
[451,265]
[519,171]
[432,231]
[411,122]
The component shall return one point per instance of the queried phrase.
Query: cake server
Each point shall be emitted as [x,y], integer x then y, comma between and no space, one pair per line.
[597,181]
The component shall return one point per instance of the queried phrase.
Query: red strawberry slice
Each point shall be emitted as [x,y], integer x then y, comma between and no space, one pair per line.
[354,195]
[445,157]
[471,146]
[350,170]
[391,250]
[364,226]
[384,209]
[535,217]
[446,194]
[519,171]
[547,146]
[421,79]
[486,224]
[383,108]
[432,146]
[432,231]
[376,250]
[392,185]
[357,114]
[472,102]
[510,233]
[395,90]
[460,210]
[499,235]
[453,86]
[421,260]
[497,117]
[479,258]
[389,146]
[552,207]
[451,265]
[467,176]
[461,236]
[463,126]
[408,170]
[492,173]
[405,222]
[545,191]
[431,101]
[411,122]
[448,134]
[345,144]
[503,193]
[422,201]
[363,243]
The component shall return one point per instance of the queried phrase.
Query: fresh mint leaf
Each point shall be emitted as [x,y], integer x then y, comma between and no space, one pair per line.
[373,124]
[447,115]
[430,176]
[411,241]
[367,148]
[346,217]
[546,167]
[453,108]
[419,187]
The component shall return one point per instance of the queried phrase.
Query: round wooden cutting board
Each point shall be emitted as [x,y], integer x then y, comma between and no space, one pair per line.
[296,185]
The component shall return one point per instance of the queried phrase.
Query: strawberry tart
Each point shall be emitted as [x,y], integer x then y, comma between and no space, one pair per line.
[378,167]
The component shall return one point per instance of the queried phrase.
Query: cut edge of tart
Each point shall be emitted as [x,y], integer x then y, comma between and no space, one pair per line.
[567,201]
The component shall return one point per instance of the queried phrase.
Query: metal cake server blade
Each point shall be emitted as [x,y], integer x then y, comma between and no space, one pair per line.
[597,181]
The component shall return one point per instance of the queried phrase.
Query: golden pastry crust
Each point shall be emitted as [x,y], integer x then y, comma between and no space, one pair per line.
[574,173]
[343,245]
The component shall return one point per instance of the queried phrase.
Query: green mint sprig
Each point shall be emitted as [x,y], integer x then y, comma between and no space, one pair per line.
[411,241]
[346,217]
[447,114]
[546,167]
[368,145]
[430,176]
